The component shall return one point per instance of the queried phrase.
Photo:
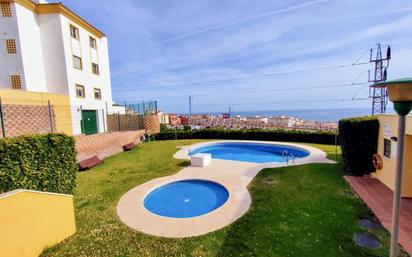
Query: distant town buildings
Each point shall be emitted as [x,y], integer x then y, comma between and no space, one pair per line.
[238,122]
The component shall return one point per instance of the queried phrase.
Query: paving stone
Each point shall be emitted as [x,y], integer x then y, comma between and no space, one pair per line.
[366,241]
[367,224]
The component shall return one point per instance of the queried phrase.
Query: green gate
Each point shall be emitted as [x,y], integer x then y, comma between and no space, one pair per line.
[89,122]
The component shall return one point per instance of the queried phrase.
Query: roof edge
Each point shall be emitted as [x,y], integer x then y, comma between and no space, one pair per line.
[50,8]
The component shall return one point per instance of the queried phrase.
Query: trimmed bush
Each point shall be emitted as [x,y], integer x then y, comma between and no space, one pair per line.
[39,162]
[359,142]
[266,135]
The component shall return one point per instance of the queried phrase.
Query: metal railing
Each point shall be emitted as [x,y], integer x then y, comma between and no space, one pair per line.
[142,108]
[288,157]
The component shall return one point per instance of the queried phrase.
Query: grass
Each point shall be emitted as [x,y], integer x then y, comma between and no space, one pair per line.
[296,211]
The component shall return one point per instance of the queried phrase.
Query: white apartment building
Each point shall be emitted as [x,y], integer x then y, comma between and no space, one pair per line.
[45,47]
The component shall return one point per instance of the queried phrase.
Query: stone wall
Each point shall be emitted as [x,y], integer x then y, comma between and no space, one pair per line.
[27,119]
[104,145]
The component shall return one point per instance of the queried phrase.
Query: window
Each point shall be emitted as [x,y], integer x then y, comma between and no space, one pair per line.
[77,62]
[387,148]
[80,91]
[15,81]
[5,9]
[97,94]
[93,43]
[74,32]
[95,68]
[11,46]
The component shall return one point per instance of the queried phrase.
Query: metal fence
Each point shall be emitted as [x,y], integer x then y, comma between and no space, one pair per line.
[137,116]
[142,108]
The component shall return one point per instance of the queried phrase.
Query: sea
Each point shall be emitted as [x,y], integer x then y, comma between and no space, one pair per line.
[332,115]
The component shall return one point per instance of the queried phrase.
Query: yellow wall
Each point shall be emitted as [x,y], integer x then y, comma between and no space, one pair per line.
[61,105]
[389,128]
[31,221]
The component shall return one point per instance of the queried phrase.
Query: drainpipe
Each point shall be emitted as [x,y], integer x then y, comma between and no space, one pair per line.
[2,119]
[104,121]
[50,117]
[82,119]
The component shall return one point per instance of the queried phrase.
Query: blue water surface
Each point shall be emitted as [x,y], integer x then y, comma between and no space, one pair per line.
[186,198]
[250,152]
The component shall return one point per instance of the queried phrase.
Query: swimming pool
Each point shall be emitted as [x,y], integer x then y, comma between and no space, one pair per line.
[186,198]
[251,152]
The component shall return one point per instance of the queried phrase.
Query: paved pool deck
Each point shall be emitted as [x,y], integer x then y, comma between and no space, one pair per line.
[234,175]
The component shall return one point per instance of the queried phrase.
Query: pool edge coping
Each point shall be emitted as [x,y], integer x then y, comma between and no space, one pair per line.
[315,154]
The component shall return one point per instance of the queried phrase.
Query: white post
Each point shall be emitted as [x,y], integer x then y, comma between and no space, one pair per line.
[398,187]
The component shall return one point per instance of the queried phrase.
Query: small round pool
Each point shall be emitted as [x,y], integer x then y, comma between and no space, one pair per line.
[186,198]
[251,152]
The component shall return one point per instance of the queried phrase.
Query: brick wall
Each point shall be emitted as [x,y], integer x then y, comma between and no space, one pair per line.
[27,119]
[104,144]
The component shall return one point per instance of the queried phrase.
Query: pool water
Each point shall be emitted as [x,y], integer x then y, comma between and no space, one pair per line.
[186,198]
[251,152]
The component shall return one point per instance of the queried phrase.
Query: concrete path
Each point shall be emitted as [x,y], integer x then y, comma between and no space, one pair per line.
[234,175]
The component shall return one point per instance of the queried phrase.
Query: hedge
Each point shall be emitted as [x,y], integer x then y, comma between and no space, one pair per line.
[320,137]
[39,162]
[359,142]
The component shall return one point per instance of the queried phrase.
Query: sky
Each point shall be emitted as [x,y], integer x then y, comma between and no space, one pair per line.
[249,55]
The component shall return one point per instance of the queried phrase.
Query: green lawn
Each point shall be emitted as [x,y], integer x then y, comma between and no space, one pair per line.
[297,211]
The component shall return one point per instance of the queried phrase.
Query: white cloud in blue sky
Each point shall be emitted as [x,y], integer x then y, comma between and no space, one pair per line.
[167,50]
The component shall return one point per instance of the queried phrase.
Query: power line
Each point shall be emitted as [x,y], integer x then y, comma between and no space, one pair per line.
[397,43]
[274,74]
[167,71]
[265,90]
[275,103]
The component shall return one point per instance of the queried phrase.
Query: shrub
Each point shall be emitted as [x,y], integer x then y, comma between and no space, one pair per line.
[163,127]
[187,127]
[359,141]
[39,162]
[256,134]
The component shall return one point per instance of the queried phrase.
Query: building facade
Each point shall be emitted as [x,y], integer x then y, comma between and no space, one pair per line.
[387,149]
[47,48]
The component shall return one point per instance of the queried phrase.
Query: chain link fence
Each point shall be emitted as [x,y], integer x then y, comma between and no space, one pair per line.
[136,116]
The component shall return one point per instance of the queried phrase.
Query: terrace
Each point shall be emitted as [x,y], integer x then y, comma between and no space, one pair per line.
[379,199]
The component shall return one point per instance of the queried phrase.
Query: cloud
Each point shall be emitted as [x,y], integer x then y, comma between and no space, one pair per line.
[249,19]
[208,40]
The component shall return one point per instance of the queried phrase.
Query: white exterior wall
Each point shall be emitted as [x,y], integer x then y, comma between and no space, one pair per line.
[53,53]
[10,64]
[116,109]
[31,50]
[85,77]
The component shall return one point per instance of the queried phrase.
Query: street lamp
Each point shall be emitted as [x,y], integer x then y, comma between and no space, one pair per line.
[400,93]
